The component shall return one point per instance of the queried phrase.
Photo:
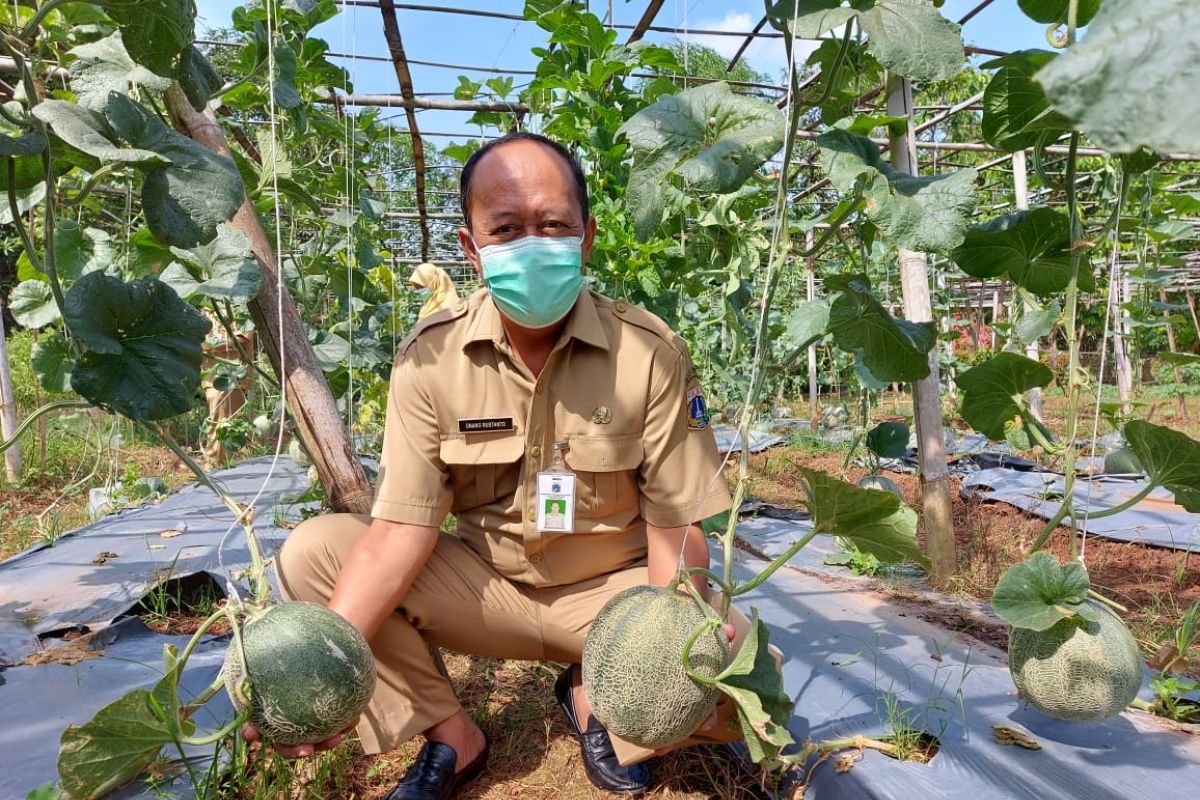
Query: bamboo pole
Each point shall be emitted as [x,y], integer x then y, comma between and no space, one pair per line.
[813,390]
[8,411]
[281,331]
[1162,296]
[1021,193]
[936,500]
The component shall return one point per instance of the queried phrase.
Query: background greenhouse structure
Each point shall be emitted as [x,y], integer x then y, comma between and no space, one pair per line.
[936,264]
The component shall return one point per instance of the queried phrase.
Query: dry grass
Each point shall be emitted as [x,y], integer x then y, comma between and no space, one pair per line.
[534,755]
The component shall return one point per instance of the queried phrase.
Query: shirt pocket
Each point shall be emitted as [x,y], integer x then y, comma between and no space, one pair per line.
[477,465]
[606,473]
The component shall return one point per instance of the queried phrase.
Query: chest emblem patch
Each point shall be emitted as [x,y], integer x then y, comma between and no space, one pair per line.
[697,410]
[601,415]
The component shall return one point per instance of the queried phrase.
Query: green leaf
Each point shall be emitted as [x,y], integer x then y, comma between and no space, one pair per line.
[808,321]
[709,137]
[154,32]
[1039,592]
[1171,460]
[331,350]
[32,304]
[147,255]
[877,522]
[142,342]
[1029,246]
[1016,112]
[927,213]
[811,19]
[198,78]
[284,88]
[1131,82]
[79,250]
[1055,11]
[25,202]
[226,267]
[1035,323]
[112,748]
[752,681]
[992,390]
[892,349]
[52,362]
[90,132]
[185,199]
[103,66]
[913,39]
[1180,358]
[29,143]
[888,440]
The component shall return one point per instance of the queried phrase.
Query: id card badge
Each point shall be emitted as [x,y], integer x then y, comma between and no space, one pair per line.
[555,501]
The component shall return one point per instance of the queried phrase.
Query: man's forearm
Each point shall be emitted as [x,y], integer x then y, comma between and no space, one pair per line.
[663,549]
[379,571]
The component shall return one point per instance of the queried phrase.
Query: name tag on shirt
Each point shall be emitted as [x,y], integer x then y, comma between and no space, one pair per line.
[485,424]
[555,502]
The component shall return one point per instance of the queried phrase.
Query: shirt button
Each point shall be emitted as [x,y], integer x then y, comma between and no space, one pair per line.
[536,558]
[532,515]
[540,388]
[535,451]
[621,306]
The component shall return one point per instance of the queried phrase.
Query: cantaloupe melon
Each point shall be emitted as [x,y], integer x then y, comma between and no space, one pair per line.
[1077,670]
[633,673]
[1122,461]
[880,484]
[309,673]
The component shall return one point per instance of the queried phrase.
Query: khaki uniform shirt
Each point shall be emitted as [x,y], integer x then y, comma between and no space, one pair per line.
[617,387]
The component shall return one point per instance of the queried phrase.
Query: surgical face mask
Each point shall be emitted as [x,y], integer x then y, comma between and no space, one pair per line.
[534,280]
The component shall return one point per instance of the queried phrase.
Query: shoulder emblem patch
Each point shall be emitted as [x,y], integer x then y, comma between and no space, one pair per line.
[697,409]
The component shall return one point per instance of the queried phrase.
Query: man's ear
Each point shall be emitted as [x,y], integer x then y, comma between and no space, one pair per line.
[589,238]
[469,249]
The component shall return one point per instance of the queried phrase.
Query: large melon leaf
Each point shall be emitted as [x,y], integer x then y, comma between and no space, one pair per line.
[1030,247]
[1131,82]
[29,143]
[1016,112]
[992,390]
[888,439]
[1039,592]
[154,32]
[32,304]
[752,681]
[79,250]
[90,132]
[893,349]
[104,66]
[1171,460]
[122,739]
[142,342]
[927,213]
[912,38]
[52,362]
[226,268]
[877,522]
[1055,11]
[811,19]
[708,136]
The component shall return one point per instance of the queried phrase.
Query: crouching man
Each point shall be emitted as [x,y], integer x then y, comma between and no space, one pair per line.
[567,434]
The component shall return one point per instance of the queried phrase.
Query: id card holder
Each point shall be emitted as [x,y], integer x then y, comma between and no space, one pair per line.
[556,495]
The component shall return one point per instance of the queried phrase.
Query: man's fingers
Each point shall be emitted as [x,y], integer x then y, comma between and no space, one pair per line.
[729,631]
[249,733]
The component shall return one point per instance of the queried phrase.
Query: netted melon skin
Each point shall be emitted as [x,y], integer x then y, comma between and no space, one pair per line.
[632,669]
[311,673]
[1077,670]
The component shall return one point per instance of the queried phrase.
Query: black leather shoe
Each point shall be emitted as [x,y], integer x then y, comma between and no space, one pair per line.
[432,775]
[599,760]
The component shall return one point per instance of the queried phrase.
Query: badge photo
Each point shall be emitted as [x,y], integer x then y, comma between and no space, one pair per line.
[697,409]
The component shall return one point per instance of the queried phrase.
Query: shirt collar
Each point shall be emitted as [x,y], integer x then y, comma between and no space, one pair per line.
[583,323]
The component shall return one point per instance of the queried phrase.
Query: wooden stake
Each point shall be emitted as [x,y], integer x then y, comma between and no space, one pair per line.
[282,334]
[936,499]
[813,390]
[8,412]
[1021,196]
[1162,296]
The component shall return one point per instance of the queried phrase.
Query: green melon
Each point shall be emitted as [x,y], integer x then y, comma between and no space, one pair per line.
[632,671]
[311,673]
[880,484]
[1122,461]
[1077,670]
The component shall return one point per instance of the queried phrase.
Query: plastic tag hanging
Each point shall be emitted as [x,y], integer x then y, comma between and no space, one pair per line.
[556,495]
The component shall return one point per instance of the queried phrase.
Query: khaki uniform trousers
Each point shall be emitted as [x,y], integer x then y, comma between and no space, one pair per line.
[457,602]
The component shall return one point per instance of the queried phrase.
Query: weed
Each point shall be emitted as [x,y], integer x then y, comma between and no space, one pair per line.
[1170,698]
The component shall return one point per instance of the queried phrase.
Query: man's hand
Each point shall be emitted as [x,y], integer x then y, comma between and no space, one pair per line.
[251,734]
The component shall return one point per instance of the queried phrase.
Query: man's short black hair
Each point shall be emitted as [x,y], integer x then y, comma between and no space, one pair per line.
[468,170]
